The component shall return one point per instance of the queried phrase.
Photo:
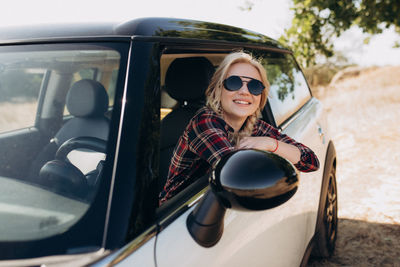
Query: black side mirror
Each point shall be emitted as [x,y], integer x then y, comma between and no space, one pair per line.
[243,180]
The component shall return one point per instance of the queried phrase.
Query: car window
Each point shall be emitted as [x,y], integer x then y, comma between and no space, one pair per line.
[45,186]
[289,90]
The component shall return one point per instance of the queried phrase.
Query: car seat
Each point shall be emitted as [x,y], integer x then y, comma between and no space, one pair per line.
[186,81]
[87,101]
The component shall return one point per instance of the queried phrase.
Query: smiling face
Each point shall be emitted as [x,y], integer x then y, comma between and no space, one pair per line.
[238,105]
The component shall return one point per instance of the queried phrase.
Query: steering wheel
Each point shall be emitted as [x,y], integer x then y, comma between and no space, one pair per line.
[63,177]
[91,143]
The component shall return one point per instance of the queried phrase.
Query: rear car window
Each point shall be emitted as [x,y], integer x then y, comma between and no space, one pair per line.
[289,90]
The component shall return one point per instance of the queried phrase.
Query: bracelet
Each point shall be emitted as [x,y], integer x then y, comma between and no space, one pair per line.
[277,145]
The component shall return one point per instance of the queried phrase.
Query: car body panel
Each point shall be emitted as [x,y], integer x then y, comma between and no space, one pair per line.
[246,240]
[304,128]
[141,250]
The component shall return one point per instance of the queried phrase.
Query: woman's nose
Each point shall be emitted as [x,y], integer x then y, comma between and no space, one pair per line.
[244,88]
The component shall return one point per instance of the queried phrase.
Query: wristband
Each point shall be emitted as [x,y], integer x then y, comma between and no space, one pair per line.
[277,145]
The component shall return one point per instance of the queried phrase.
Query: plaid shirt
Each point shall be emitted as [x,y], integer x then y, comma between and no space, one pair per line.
[205,141]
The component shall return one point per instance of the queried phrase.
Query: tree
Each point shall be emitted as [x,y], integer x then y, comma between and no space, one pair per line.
[317,22]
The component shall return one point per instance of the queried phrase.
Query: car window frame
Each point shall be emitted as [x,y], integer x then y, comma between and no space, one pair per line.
[190,196]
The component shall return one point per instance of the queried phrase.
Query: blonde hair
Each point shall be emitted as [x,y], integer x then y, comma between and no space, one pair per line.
[214,90]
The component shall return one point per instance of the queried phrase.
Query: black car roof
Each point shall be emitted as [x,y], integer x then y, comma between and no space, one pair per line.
[144,27]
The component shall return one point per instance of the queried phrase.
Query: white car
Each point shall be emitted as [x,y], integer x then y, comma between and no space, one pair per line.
[89,116]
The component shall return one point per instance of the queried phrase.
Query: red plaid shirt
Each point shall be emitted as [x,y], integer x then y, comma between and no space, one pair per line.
[205,141]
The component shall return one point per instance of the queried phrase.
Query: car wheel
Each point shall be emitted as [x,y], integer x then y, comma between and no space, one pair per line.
[327,230]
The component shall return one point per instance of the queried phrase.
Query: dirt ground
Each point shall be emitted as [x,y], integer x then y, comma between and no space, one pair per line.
[364,118]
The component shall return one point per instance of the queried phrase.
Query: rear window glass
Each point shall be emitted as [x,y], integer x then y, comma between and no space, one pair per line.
[289,90]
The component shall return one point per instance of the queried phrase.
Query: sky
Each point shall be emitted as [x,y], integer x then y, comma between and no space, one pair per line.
[269,17]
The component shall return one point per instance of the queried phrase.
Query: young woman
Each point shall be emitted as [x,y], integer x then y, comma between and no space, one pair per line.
[235,97]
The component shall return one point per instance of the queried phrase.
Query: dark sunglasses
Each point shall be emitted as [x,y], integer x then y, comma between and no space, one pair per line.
[234,83]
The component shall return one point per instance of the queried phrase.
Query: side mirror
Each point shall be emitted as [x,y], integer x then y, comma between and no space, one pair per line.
[242,180]
[254,180]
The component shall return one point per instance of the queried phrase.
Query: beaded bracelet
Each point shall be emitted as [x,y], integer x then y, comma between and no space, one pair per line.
[277,145]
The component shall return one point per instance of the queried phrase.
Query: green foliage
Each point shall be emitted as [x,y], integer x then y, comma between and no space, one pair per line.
[281,70]
[248,6]
[281,74]
[19,85]
[320,75]
[316,22]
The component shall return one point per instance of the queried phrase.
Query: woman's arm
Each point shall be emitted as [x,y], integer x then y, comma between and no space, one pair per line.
[208,139]
[265,137]
[288,151]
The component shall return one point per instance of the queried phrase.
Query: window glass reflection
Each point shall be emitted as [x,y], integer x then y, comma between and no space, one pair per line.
[289,89]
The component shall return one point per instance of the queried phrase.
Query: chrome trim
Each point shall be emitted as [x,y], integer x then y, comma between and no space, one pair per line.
[117,147]
[297,114]
[195,199]
[165,221]
[59,260]
[121,254]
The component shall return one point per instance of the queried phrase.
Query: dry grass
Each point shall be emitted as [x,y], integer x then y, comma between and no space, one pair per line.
[16,115]
[363,243]
[363,111]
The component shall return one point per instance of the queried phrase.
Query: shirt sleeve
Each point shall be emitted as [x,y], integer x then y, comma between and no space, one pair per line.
[308,160]
[209,139]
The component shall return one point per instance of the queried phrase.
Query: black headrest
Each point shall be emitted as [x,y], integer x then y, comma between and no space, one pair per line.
[187,78]
[87,98]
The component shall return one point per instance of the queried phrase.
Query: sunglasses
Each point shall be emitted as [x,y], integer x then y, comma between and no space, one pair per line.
[234,83]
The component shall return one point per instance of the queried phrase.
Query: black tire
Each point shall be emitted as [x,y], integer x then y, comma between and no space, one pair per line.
[327,229]
[330,216]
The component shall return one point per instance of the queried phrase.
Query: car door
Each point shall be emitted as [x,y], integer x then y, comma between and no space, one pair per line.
[275,237]
[300,116]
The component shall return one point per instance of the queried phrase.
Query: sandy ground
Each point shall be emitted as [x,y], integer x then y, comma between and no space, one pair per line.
[364,117]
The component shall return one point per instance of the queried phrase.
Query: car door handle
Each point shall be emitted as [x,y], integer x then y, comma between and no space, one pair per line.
[321,133]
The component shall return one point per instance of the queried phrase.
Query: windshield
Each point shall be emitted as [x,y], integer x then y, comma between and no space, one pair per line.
[56,102]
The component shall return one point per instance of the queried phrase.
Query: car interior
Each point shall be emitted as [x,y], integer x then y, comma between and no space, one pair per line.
[88,120]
